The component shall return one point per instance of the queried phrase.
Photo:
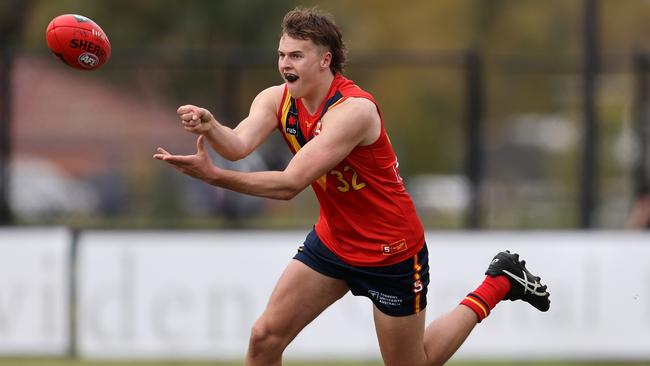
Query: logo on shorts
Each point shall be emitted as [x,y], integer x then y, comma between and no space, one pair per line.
[385,299]
[417,286]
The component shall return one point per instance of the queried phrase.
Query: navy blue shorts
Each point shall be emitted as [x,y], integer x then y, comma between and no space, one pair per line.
[397,290]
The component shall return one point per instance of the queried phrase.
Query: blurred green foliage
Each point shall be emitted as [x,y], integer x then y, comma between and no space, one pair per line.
[532,58]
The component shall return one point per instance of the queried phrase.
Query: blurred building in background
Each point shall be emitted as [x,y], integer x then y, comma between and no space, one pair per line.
[484,103]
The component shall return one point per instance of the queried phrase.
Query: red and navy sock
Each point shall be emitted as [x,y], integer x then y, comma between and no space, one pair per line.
[487,295]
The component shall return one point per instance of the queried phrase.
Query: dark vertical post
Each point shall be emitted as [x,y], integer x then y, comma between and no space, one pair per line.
[231,85]
[12,21]
[641,124]
[5,133]
[589,173]
[473,159]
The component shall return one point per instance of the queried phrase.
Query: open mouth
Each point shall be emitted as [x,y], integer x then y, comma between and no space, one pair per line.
[290,77]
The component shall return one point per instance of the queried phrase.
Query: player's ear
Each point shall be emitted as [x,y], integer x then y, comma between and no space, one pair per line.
[326,60]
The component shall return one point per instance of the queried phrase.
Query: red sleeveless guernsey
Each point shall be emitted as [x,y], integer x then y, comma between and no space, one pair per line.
[366,216]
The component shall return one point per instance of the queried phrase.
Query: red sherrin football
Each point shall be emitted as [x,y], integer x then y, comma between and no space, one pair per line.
[78,41]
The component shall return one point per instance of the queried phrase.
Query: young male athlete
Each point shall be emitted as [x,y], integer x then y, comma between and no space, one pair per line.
[368,239]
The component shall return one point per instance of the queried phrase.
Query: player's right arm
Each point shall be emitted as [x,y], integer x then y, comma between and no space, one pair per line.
[237,143]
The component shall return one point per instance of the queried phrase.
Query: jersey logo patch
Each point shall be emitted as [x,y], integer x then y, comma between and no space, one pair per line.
[292,126]
[317,129]
[396,247]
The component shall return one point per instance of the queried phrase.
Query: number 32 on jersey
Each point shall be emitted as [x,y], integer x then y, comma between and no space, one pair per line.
[348,179]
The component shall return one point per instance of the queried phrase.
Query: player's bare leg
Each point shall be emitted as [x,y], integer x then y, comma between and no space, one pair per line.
[404,342]
[299,296]
[446,334]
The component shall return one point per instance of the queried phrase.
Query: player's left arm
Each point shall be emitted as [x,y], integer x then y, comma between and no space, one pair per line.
[355,122]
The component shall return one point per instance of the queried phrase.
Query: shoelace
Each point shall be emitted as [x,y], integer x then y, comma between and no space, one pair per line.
[530,286]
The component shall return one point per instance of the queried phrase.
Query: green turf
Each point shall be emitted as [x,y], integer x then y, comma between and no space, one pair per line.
[72,362]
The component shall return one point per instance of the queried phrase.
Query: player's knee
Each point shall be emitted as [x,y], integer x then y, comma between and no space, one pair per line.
[264,339]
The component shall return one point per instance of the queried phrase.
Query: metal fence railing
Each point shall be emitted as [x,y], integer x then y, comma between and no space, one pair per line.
[507,126]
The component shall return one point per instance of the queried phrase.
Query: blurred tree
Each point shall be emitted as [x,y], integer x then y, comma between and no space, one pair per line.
[173,23]
[531,50]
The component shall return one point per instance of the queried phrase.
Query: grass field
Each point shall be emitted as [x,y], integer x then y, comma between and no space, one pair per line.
[71,362]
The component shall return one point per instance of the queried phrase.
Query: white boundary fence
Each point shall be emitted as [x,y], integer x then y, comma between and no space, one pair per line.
[34,291]
[195,294]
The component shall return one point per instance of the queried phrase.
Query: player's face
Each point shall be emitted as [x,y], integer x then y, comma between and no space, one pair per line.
[301,62]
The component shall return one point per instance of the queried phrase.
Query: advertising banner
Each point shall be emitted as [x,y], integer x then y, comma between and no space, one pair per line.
[197,294]
[34,291]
